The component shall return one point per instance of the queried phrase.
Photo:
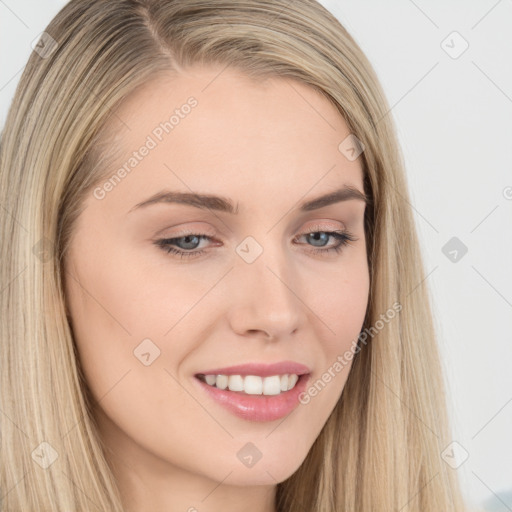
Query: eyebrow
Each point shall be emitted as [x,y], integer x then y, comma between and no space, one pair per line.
[223,204]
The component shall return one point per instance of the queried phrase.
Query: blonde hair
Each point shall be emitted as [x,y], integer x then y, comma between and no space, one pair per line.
[380,449]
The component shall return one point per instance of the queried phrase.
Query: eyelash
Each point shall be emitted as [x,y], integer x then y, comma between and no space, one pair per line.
[343,237]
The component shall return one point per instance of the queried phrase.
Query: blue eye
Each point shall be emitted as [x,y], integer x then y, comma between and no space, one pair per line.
[169,244]
[343,238]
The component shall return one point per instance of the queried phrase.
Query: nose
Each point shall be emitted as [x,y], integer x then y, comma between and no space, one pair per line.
[264,299]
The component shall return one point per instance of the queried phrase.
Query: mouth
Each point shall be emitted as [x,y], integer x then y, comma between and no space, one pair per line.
[254,398]
[252,384]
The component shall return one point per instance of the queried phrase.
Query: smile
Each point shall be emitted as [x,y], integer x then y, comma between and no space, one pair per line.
[260,405]
[252,384]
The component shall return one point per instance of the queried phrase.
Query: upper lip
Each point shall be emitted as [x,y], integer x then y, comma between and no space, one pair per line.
[261,369]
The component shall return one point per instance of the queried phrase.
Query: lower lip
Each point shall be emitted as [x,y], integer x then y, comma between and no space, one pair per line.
[257,407]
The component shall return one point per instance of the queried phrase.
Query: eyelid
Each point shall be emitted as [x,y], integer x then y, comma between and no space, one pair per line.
[208,230]
[188,230]
[321,226]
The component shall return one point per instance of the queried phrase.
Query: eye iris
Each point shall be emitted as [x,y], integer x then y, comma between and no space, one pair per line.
[319,234]
[187,240]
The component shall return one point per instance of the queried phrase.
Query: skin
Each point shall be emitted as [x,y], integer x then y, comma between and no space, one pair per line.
[267,146]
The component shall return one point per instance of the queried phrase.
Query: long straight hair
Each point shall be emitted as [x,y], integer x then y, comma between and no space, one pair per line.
[380,449]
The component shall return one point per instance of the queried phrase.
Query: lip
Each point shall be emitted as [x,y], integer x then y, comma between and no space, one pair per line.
[260,369]
[259,408]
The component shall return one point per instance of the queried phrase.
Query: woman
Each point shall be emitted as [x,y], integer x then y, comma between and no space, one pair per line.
[260,368]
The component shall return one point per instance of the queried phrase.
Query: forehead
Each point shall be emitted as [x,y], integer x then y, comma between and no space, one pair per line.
[217,131]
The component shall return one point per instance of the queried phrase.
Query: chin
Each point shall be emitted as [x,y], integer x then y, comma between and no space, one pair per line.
[261,474]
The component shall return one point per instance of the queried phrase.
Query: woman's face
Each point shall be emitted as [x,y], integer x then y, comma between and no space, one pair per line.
[251,287]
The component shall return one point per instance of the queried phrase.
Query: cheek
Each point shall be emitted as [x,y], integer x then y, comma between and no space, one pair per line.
[342,302]
[338,320]
[122,296]
[101,327]
[115,324]
[344,307]
[119,303]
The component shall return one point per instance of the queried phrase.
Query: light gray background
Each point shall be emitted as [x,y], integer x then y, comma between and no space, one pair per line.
[453,117]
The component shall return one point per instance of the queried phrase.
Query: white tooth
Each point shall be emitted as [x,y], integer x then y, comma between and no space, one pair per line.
[272,385]
[236,383]
[222,381]
[253,385]
[210,379]
[292,380]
